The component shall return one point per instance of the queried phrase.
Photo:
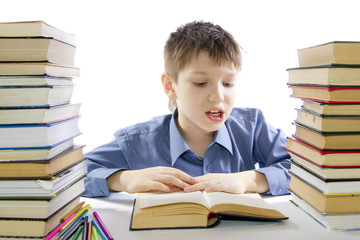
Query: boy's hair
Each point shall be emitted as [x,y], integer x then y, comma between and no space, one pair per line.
[195,37]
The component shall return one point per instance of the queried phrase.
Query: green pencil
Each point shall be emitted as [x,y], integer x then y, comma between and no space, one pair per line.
[94,233]
[78,232]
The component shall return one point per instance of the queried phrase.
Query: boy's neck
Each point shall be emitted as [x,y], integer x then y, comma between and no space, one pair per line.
[197,140]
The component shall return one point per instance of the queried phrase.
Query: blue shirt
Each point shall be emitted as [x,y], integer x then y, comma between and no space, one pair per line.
[242,143]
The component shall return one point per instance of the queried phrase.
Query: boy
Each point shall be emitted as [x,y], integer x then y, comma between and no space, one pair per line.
[206,144]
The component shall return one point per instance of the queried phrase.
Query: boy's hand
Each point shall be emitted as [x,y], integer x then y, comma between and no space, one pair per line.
[241,182]
[164,179]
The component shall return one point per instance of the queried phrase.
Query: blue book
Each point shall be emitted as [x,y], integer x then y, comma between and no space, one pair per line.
[38,135]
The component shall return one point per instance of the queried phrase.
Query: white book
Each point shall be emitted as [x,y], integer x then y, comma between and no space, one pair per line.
[328,187]
[38,189]
[40,209]
[35,81]
[38,115]
[39,135]
[333,222]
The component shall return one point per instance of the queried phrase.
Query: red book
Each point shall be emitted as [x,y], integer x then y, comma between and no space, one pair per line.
[324,158]
[350,94]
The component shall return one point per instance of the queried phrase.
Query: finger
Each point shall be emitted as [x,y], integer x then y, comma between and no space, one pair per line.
[175,189]
[156,186]
[183,176]
[215,188]
[172,180]
[196,187]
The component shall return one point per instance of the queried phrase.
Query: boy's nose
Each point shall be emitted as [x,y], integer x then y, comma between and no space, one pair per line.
[216,94]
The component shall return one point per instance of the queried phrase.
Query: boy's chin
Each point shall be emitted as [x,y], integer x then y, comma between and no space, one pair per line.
[215,126]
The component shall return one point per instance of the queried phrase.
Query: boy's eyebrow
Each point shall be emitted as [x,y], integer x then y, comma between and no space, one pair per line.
[199,72]
[204,73]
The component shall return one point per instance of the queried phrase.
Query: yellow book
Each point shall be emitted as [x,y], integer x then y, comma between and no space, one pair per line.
[197,209]
[340,52]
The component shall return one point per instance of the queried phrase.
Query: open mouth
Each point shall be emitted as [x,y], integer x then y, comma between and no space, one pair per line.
[215,115]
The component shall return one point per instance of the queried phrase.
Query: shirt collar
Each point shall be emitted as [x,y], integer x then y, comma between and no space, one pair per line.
[222,137]
[178,145]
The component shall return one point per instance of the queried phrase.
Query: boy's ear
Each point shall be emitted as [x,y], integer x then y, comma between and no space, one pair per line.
[168,86]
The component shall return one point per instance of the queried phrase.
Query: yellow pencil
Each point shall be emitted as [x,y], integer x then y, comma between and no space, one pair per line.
[78,214]
[74,210]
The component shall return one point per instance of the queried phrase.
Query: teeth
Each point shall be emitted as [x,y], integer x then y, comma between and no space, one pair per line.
[215,113]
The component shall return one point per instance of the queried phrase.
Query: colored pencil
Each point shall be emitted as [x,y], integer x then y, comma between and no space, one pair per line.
[85,228]
[73,211]
[71,230]
[56,230]
[98,229]
[89,230]
[102,225]
[94,233]
[76,216]
[78,219]
[78,232]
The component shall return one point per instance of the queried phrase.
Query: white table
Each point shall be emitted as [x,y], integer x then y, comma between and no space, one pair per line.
[115,211]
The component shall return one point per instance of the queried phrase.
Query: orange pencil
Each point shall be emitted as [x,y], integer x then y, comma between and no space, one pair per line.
[77,215]
[74,210]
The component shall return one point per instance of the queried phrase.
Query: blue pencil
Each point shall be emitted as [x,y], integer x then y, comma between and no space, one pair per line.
[71,226]
[80,217]
[72,230]
[85,228]
[99,230]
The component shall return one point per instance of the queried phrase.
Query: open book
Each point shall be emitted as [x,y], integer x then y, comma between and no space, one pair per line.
[197,209]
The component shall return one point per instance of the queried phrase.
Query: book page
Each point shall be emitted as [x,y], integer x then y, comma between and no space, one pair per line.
[247,199]
[145,200]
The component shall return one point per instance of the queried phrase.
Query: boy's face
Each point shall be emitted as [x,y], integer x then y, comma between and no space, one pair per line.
[205,94]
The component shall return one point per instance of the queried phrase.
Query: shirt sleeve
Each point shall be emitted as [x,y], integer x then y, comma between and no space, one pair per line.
[102,162]
[273,159]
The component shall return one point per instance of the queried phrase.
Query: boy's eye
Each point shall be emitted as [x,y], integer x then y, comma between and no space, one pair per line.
[199,84]
[228,84]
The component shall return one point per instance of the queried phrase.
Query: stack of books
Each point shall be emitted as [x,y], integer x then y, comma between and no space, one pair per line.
[41,168]
[325,149]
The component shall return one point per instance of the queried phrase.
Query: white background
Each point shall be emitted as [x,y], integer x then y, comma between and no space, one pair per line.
[120,47]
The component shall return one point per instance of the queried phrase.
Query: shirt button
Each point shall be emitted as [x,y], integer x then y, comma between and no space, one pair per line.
[102,193]
[279,190]
[208,168]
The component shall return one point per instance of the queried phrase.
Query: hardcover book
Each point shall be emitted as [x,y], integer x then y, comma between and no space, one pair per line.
[328,186]
[37,69]
[35,96]
[326,140]
[341,52]
[38,135]
[42,189]
[42,169]
[34,228]
[36,50]
[340,158]
[326,75]
[325,109]
[30,208]
[327,172]
[198,209]
[330,221]
[344,95]
[325,203]
[30,154]
[38,115]
[35,29]
[328,123]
